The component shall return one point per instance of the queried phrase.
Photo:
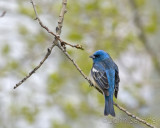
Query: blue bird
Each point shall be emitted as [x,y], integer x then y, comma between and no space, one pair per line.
[105,75]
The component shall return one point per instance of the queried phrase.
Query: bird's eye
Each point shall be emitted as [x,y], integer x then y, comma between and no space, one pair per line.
[96,55]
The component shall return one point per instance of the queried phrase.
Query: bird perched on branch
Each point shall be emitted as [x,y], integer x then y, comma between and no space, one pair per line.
[105,75]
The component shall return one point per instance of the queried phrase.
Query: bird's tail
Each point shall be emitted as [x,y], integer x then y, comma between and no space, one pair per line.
[109,109]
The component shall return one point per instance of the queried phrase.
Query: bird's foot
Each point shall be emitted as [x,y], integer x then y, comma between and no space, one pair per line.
[90,84]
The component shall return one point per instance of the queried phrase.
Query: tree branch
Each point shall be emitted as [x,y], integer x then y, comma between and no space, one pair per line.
[61,17]
[133,116]
[36,68]
[60,22]
[58,28]
[78,68]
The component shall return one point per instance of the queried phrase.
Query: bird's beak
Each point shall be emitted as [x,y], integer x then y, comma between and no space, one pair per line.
[92,56]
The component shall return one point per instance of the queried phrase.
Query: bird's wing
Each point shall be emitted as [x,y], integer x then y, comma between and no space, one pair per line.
[117,80]
[100,78]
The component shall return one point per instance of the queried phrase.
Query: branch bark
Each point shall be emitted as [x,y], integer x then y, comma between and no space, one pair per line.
[36,68]
[58,28]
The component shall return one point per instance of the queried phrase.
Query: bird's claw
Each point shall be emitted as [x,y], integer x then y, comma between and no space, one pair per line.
[90,84]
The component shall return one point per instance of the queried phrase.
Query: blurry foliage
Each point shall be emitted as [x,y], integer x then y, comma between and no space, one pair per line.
[22,29]
[140,3]
[29,114]
[56,124]
[74,36]
[13,64]
[100,99]
[86,109]
[5,49]
[123,124]
[54,83]
[27,10]
[71,111]
[84,89]
[152,25]
[40,37]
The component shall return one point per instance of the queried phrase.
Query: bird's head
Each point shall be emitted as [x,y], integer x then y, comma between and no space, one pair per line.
[99,56]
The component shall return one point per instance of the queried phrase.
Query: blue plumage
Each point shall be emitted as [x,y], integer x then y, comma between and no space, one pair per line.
[105,74]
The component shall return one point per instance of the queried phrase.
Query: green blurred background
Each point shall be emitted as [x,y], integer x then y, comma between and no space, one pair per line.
[57,96]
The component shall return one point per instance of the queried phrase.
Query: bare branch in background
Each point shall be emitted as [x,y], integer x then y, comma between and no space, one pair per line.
[3,14]
[62,48]
[36,68]
[142,35]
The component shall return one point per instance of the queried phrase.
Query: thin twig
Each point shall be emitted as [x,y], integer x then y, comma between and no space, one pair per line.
[61,17]
[133,116]
[78,68]
[60,23]
[58,28]
[78,46]
[37,67]
[49,49]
